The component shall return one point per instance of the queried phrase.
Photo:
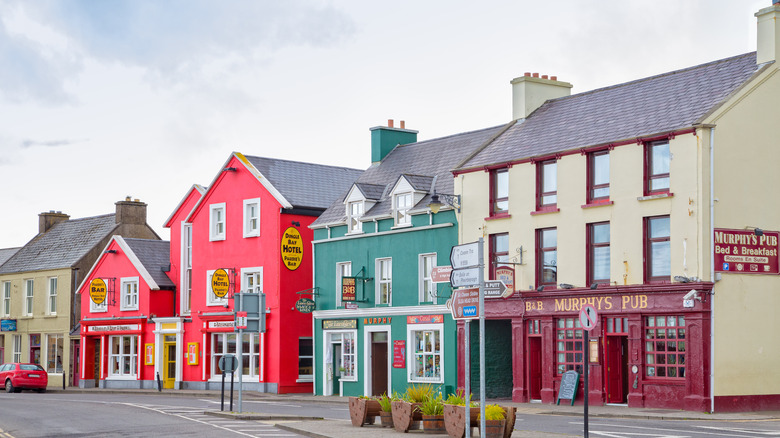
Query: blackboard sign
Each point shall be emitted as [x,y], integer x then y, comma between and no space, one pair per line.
[568,390]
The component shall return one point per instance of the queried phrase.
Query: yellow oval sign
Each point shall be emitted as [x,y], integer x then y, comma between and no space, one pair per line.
[97,291]
[292,248]
[220,283]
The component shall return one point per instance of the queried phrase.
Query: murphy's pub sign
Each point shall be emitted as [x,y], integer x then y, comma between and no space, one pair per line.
[746,252]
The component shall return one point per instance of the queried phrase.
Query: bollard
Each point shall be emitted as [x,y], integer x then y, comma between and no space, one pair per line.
[159,383]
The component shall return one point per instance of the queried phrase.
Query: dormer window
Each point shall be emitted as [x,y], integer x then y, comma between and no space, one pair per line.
[354,213]
[402,202]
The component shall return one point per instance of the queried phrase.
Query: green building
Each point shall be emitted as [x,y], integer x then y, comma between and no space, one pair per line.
[381,322]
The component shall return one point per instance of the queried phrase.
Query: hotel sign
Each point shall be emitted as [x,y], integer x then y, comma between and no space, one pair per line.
[743,252]
[114,328]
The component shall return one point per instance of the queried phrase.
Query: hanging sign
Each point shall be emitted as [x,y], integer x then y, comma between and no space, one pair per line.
[744,252]
[220,283]
[97,291]
[292,248]
[507,275]
[305,305]
[348,288]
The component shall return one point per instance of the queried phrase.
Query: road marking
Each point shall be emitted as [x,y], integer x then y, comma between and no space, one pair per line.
[743,430]
[663,433]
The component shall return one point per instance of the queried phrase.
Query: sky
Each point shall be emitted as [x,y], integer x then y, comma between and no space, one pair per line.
[100,100]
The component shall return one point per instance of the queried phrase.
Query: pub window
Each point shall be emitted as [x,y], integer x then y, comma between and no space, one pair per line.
[665,347]
[598,177]
[657,158]
[426,354]
[598,253]
[499,252]
[305,359]
[225,343]
[546,257]
[122,356]
[499,192]
[547,184]
[568,345]
[658,251]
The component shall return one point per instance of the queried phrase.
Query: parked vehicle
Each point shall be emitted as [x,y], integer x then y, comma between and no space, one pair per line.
[18,376]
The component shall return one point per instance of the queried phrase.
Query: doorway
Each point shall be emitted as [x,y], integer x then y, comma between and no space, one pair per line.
[616,358]
[535,368]
[75,368]
[379,355]
[96,363]
[337,365]
[169,361]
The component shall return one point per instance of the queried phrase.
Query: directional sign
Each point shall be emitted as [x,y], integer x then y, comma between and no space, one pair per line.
[441,274]
[241,320]
[464,304]
[588,317]
[465,277]
[495,289]
[465,256]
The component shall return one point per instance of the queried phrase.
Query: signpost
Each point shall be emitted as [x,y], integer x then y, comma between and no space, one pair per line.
[495,289]
[464,304]
[465,277]
[441,274]
[228,364]
[588,319]
[465,256]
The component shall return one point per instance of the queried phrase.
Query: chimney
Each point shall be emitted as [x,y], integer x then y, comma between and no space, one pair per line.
[768,47]
[131,211]
[385,138]
[50,219]
[529,92]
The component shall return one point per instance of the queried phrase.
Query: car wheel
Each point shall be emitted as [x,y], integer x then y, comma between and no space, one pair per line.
[9,387]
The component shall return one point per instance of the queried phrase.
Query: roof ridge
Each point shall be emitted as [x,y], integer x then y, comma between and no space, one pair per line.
[450,136]
[303,162]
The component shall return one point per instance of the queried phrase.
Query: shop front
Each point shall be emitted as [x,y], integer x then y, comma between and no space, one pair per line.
[650,346]
[113,354]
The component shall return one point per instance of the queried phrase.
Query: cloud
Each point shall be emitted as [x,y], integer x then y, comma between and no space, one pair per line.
[25,144]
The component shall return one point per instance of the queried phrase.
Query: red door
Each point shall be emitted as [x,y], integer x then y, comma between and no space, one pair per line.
[616,364]
[75,369]
[535,368]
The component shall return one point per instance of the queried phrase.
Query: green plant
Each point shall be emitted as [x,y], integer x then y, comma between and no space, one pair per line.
[494,412]
[456,399]
[385,400]
[419,393]
[433,406]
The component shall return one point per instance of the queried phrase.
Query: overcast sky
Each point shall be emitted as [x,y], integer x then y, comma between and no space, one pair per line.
[104,99]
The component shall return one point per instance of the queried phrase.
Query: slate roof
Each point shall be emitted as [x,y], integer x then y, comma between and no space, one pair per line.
[424,159]
[155,255]
[642,108]
[371,191]
[6,253]
[418,182]
[62,246]
[306,185]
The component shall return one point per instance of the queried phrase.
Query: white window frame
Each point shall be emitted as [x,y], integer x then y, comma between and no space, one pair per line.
[123,358]
[254,356]
[217,227]
[128,299]
[186,272]
[354,225]
[17,353]
[60,347]
[401,212]
[343,269]
[305,377]
[411,329]
[255,276]
[251,229]
[380,281]
[6,298]
[51,301]
[211,299]
[425,278]
[29,297]
[98,308]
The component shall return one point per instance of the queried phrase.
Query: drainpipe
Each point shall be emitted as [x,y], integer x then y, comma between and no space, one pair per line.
[712,269]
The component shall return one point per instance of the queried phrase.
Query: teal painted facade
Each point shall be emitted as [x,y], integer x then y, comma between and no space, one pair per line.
[405,320]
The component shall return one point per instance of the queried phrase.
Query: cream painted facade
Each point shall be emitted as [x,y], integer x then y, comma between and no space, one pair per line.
[42,323]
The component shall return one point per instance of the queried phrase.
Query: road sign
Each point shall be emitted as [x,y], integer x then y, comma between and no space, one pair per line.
[465,256]
[241,320]
[495,289]
[588,317]
[464,304]
[228,363]
[465,277]
[441,274]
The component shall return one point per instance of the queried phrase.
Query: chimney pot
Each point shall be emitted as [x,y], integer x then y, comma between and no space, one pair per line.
[389,123]
[553,78]
[403,124]
[528,73]
[544,76]
[536,75]
[50,219]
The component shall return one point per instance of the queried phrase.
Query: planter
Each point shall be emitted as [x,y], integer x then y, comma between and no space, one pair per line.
[511,416]
[433,424]
[455,420]
[387,418]
[405,415]
[363,411]
[495,428]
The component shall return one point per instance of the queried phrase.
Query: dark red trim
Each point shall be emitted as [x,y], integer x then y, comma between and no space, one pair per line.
[498,216]
[546,210]
[597,204]
[493,255]
[647,259]
[747,403]
[590,247]
[540,250]
[540,193]
[591,185]
[493,195]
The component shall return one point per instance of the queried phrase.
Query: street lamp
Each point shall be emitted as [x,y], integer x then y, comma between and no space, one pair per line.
[436,202]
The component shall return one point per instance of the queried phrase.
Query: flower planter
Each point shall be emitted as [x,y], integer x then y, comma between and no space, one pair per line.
[455,420]
[433,424]
[511,416]
[363,411]
[387,418]
[495,428]
[405,414]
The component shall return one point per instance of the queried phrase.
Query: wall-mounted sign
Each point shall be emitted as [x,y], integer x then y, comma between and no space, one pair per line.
[114,328]
[305,305]
[743,252]
[292,248]
[148,354]
[425,319]
[399,354]
[351,305]
[241,320]
[221,324]
[348,288]
[7,325]
[507,275]
[330,324]
[220,283]
[192,353]
[373,321]
[97,291]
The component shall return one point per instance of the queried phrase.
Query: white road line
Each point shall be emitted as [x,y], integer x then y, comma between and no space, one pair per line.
[659,431]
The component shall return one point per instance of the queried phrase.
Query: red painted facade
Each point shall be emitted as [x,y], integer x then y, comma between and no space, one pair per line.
[535,338]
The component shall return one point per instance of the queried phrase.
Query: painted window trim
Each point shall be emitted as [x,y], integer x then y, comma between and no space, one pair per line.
[339,276]
[28,303]
[51,295]
[254,374]
[350,217]
[648,175]
[379,281]
[185,301]
[590,249]
[645,329]
[306,377]
[211,299]
[45,358]
[422,278]
[493,255]
[213,234]
[397,211]
[6,298]
[410,330]
[647,251]
[248,232]
[591,176]
[254,271]
[494,212]
[540,193]
[133,357]
[540,257]
[123,293]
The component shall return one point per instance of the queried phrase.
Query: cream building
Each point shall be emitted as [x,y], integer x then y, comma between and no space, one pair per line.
[620,198]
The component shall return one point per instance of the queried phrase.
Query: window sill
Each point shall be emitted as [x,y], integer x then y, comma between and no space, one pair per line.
[354,233]
[597,204]
[426,380]
[247,236]
[305,380]
[498,216]
[396,227]
[655,196]
[50,316]
[216,239]
[545,210]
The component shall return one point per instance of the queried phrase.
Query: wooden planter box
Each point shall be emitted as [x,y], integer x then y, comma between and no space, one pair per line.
[455,420]
[387,418]
[404,414]
[363,411]
[433,424]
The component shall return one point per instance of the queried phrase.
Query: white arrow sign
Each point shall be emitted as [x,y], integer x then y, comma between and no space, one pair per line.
[465,277]
[495,289]
[465,256]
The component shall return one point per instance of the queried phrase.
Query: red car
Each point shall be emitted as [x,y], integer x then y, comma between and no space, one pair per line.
[18,376]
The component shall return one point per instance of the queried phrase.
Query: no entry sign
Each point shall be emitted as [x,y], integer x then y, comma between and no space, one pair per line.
[588,317]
